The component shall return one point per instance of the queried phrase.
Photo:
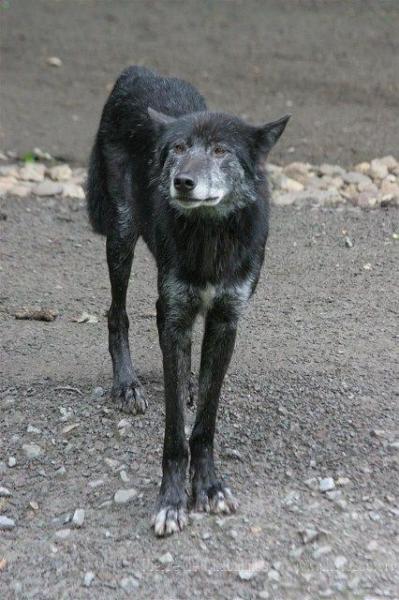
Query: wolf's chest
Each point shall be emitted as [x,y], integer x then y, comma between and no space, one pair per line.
[237,294]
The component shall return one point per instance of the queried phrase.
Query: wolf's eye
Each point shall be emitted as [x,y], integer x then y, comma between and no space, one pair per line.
[179,147]
[219,150]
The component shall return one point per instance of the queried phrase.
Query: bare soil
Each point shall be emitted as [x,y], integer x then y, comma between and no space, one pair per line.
[332,64]
[310,394]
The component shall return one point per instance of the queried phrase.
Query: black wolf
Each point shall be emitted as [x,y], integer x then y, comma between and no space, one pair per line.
[190,183]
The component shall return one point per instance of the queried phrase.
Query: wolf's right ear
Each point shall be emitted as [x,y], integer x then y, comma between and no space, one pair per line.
[158,118]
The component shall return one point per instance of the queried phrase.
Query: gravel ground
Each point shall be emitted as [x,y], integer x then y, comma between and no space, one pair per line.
[308,431]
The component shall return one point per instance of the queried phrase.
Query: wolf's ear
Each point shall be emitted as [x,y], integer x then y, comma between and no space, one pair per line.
[267,135]
[159,118]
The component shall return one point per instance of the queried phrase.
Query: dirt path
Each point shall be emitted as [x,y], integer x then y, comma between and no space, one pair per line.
[310,395]
[332,64]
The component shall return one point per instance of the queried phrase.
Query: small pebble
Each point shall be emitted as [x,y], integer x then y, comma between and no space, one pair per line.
[165,559]
[98,392]
[12,461]
[6,523]
[273,575]
[47,188]
[124,476]
[129,584]
[124,496]
[373,545]
[309,535]
[340,561]
[88,578]
[62,534]
[4,492]
[32,429]
[326,484]
[32,450]
[54,61]
[78,517]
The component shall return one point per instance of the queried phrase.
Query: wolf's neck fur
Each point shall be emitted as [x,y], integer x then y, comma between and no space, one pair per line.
[212,250]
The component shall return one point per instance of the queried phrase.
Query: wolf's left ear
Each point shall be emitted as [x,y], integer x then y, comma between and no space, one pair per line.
[268,135]
[159,118]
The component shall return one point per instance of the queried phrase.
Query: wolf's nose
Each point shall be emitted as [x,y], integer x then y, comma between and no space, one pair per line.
[184,183]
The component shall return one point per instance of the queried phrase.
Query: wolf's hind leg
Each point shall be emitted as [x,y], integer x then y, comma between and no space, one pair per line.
[126,390]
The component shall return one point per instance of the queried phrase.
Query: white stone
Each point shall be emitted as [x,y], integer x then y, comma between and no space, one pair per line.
[273,575]
[60,172]
[362,167]
[124,476]
[299,171]
[88,578]
[331,170]
[5,492]
[6,184]
[78,517]
[6,523]
[9,171]
[32,172]
[20,190]
[62,534]
[32,450]
[165,559]
[286,199]
[378,170]
[72,190]
[54,61]
[356,178]
[340,562]
[309,535]
[32,429]
[326,484]
[129,584]
[47,188]
[389,161]
[124,496]
[290,185]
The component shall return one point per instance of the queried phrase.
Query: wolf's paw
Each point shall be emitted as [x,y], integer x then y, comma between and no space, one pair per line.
[130,398]
[216,499]
[169,519]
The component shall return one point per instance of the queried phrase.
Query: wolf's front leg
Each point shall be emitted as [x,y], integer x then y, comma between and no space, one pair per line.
[174,326]
[209,492]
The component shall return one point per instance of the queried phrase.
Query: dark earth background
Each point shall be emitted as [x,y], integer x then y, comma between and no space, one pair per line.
[312,389]
[333,64]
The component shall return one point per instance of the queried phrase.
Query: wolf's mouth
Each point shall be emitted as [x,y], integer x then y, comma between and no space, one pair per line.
[190,202]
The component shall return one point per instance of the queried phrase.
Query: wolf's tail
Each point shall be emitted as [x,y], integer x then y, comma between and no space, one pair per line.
[96,194]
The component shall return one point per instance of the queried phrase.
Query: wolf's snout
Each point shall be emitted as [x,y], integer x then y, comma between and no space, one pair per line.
[184,183]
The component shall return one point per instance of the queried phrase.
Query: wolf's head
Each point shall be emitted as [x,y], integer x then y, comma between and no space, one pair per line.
[209,160]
